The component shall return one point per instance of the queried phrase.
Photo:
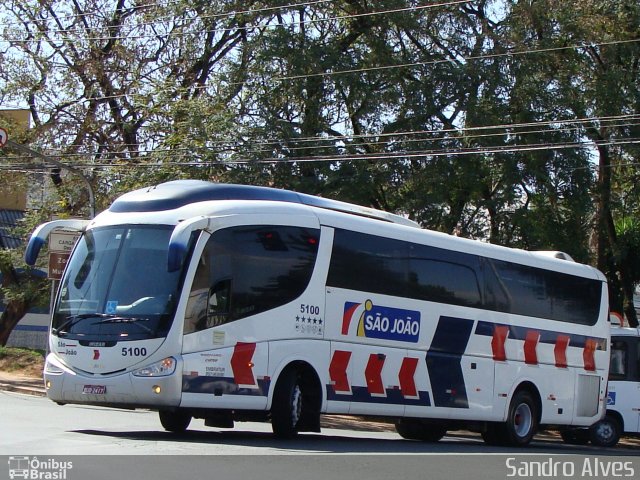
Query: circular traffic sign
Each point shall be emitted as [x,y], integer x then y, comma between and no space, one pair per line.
[4,136]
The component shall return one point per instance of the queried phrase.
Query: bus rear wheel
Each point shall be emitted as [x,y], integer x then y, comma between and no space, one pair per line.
[521,424]
[575,436]
[174,421]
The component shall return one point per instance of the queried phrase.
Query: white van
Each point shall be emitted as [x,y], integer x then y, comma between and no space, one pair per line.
[623,400]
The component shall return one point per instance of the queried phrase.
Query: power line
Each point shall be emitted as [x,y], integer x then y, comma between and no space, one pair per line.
[413,136]
[269,24]
[405,155]
[462,58]
[176,2]
[381,68]
[233,12]
[478,128]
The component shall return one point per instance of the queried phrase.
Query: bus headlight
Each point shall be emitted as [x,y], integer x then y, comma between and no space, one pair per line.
[159,369]
[51,368]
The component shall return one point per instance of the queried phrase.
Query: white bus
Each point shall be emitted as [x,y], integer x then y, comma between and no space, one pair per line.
[230,303]
[623,397]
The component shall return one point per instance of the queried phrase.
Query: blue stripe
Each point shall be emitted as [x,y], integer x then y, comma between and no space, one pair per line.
[222,386]
[31,328]
[444,362]
[393,397]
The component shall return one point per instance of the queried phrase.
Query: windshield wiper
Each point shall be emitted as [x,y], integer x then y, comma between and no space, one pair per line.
[73,319]
[107,318]
[117,319]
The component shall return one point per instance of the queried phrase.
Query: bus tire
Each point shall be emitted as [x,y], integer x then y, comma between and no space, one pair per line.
[605,432]
[287,404]
[522,421]
[416,429]
[521,424]
[494,434]
[575,436]
[174,421]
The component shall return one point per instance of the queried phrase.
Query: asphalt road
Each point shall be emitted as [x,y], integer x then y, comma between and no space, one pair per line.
[97,443]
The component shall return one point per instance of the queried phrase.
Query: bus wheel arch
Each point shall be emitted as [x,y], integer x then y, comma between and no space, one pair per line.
[296,400]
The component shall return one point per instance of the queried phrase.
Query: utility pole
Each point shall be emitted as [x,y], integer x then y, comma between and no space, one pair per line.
[4,141]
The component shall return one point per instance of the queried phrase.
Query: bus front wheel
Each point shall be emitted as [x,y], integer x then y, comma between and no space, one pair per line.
[174,421]
[288,404]
[606,432]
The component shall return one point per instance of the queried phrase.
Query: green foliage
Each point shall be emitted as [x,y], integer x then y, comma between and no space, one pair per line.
[498,120]
[21,360]
[20,284]
[628,231]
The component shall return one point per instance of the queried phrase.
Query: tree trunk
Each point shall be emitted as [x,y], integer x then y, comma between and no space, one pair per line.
[608,247]
[12,314]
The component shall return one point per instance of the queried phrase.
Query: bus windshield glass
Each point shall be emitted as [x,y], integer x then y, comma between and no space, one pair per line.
[116,286]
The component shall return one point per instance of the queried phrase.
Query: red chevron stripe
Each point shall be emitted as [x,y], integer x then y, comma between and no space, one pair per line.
[530,345]
[373,373]
[407,377]
[500,333]
[241,363]
[338,371]
[588,354]
[560,350]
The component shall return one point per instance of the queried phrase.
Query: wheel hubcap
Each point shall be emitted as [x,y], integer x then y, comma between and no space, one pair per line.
[523,420]
[605,431]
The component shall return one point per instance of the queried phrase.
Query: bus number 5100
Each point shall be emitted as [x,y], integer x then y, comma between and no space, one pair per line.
[134,352]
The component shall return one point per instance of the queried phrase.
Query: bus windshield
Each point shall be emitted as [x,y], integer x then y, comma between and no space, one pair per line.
[116,286]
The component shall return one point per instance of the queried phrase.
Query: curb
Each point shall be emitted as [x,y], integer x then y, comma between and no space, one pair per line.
[24,389]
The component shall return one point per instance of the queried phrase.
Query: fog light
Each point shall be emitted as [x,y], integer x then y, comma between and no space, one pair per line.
[156,389]
[47,384]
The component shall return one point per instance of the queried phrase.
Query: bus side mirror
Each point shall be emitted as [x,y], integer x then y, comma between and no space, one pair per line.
[40,235]
[179,241]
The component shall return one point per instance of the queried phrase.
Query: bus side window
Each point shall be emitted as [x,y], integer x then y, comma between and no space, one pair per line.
[496,295]
[618,368]
[637,345]
[196,312]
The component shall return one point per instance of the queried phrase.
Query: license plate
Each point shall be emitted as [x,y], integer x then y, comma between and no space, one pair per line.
[94,390]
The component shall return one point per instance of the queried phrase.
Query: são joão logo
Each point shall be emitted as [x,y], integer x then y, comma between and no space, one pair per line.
[376,321]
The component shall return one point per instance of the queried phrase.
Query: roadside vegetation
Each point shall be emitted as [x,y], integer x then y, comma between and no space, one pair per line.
[22,360]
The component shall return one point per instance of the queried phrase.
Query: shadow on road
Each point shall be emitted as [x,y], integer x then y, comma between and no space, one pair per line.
[331,442]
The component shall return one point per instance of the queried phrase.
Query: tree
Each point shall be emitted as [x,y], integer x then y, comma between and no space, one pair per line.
[20,289]
[594,49]
[480,118]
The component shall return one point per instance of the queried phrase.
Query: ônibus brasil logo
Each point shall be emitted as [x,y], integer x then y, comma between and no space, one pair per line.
[38,469]
[376,321]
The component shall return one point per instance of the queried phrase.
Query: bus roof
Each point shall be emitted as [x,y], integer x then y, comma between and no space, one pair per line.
[179,200]
[179,193]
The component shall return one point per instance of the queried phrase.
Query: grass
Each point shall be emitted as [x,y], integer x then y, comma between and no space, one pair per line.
[21,360]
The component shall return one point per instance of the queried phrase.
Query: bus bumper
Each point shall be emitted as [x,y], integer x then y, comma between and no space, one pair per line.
[125,390]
